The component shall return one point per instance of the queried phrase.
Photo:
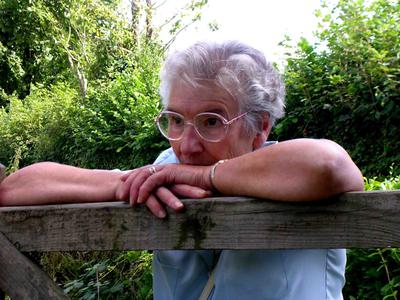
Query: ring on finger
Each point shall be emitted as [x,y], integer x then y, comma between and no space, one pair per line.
[152,170]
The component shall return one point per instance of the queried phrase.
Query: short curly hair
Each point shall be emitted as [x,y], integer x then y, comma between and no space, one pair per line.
[237,68]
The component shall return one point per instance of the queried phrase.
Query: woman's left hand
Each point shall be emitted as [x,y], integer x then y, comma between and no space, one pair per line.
[157,186]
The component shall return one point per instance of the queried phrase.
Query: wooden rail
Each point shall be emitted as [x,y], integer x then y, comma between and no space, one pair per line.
[352,220]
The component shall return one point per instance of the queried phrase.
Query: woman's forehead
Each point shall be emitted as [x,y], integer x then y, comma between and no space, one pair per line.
[184,98]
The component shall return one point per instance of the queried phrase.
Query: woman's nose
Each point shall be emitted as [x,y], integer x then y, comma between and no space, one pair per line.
[190,142]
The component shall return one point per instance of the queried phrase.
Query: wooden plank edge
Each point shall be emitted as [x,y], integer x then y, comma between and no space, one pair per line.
[22,279]
[359,219]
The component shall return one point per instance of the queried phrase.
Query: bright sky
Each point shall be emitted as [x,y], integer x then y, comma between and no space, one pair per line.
[260,23]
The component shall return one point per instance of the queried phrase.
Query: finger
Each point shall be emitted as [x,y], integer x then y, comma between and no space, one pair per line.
[189,191]
[141,176]
[125,176]
[155,207]
[174,174]
[124,187]
[168,198]
[160,178]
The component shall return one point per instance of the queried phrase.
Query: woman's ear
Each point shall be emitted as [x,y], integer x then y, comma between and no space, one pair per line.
[262,136]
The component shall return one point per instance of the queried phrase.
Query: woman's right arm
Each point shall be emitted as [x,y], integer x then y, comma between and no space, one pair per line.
[52,183]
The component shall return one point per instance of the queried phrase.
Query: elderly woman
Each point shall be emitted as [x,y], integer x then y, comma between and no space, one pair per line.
[220,101]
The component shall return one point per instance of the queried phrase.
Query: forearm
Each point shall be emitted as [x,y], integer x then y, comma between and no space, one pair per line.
[297,170]
[45,183]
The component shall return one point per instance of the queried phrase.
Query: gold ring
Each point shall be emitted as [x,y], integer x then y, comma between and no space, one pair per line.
[152,170]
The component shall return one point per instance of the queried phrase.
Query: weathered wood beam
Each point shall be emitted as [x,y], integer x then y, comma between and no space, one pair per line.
[22,279]
[362,220]
[2,172]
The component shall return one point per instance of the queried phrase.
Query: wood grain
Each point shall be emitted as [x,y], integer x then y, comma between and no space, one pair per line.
[2,172]
[352,220]
[21,279]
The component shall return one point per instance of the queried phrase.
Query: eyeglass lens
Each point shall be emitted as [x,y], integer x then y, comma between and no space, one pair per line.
[209,126]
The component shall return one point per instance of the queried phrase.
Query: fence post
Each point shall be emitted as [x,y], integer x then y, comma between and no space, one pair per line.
[2,172]
[22,279]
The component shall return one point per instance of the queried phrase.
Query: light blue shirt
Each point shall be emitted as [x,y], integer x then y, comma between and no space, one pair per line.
[309,274]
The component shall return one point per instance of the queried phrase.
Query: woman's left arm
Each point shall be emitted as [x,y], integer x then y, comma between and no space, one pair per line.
[295,170]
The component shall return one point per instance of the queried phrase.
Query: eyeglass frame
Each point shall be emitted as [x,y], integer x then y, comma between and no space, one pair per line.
[226,123]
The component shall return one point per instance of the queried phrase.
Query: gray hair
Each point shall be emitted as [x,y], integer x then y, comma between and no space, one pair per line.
[237,68]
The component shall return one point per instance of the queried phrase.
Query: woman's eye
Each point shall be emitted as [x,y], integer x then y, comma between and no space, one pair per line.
[176,121]
[212,122]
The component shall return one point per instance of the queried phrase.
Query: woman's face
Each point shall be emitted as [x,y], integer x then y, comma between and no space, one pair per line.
[191,148]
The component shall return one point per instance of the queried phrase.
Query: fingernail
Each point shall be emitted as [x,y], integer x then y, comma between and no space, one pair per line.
[161,214]
[208,193]
[178,204]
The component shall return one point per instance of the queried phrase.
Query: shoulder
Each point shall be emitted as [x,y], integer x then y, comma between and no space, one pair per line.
[269,143]
[166,157]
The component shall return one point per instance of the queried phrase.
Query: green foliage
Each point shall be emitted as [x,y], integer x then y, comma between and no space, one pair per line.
[346,86]
[374,273]
[26,56]
[115,125]
[102,275]
[34,129]
[46,41]
[391,183]
[186,15]
[112,128]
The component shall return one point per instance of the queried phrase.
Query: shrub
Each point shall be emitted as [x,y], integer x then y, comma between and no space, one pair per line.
[345,86]
[112,127]
[102,275]
[374,273]
[34,129]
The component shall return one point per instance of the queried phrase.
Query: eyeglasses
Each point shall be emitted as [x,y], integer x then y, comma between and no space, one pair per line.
[212,127]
